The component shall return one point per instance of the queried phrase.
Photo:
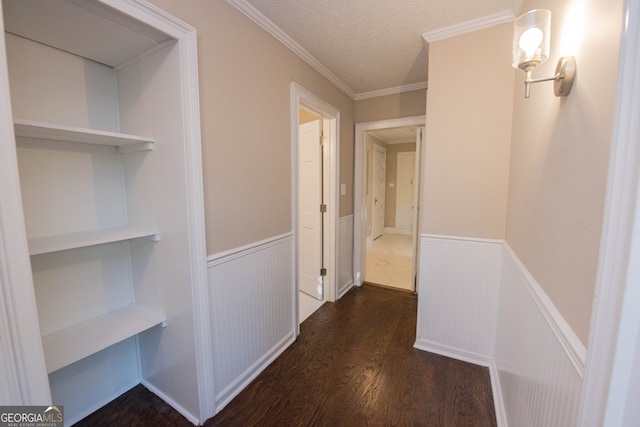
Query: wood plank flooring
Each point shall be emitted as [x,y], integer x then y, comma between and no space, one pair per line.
[352,365]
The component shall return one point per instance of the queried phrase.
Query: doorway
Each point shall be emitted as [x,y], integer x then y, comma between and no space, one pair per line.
[386,254]
[315,142]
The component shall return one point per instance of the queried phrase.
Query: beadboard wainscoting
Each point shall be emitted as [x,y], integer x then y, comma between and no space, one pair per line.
[479,303]
[458,303]
[540,360]
[345,255]
[253,317]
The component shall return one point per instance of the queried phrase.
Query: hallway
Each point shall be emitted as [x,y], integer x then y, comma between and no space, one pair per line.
[352,365]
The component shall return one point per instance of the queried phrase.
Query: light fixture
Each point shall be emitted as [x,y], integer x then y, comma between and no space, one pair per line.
[531,37]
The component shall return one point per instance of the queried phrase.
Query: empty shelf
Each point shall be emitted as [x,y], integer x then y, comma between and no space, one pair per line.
[125,143]
[62,242]
[64,347]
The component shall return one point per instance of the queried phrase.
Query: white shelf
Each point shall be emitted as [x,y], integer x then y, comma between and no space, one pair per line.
[63,242]
[125,143]
[64,347]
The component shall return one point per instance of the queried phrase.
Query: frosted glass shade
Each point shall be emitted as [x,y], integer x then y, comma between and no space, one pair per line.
[531,37]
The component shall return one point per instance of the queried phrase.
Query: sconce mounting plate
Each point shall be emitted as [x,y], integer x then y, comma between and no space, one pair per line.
[565,75]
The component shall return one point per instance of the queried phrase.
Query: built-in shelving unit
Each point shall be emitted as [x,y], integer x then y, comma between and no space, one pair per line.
[48,131]
[63,242]
[104,106]
[69,345]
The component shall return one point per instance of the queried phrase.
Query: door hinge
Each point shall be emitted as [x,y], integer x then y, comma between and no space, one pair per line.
[323,271]
[323,208]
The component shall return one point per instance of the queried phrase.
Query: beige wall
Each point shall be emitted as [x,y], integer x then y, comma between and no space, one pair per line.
[468,132]
[559,159]
[406,104]
[244,104]
[392,173]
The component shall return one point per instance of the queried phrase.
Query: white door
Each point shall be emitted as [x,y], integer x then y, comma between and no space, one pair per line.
[404,190]
[310,218]
[379,172]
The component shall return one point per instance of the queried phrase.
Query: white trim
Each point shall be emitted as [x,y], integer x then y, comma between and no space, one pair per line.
[10,390]
[475,359]
[360,206]
[232,390]
[565,345]
[461,238]
[179,408]
[452,352]
[151,15]
[390,91]
[195,196]
[606,360]
[303,97]
[573,347]
[187,39]
[242,251]
[468,26]
[23,342]
[266,24]
[344,289]
[498,400]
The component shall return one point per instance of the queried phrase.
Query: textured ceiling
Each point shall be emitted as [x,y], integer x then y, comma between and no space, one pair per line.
[372,45]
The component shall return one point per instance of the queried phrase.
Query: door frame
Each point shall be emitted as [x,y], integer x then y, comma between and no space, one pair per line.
[359,188]
[303,98]
[613,352]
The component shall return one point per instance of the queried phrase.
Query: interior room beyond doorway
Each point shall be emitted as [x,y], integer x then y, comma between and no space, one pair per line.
[391,155]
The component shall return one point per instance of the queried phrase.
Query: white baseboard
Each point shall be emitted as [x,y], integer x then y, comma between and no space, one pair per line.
[345,288]
[498,401]
[476,359]
[531,351]
[188,415]
[232,390]
[454,353]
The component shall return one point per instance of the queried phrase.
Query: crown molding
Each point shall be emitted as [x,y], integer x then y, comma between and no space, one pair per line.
[390,91]
[266,24]
[469,26]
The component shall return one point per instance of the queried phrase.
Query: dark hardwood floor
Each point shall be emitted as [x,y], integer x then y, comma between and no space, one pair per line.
[352,365]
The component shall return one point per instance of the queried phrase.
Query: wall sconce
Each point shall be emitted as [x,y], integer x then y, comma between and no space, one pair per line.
[531,37]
